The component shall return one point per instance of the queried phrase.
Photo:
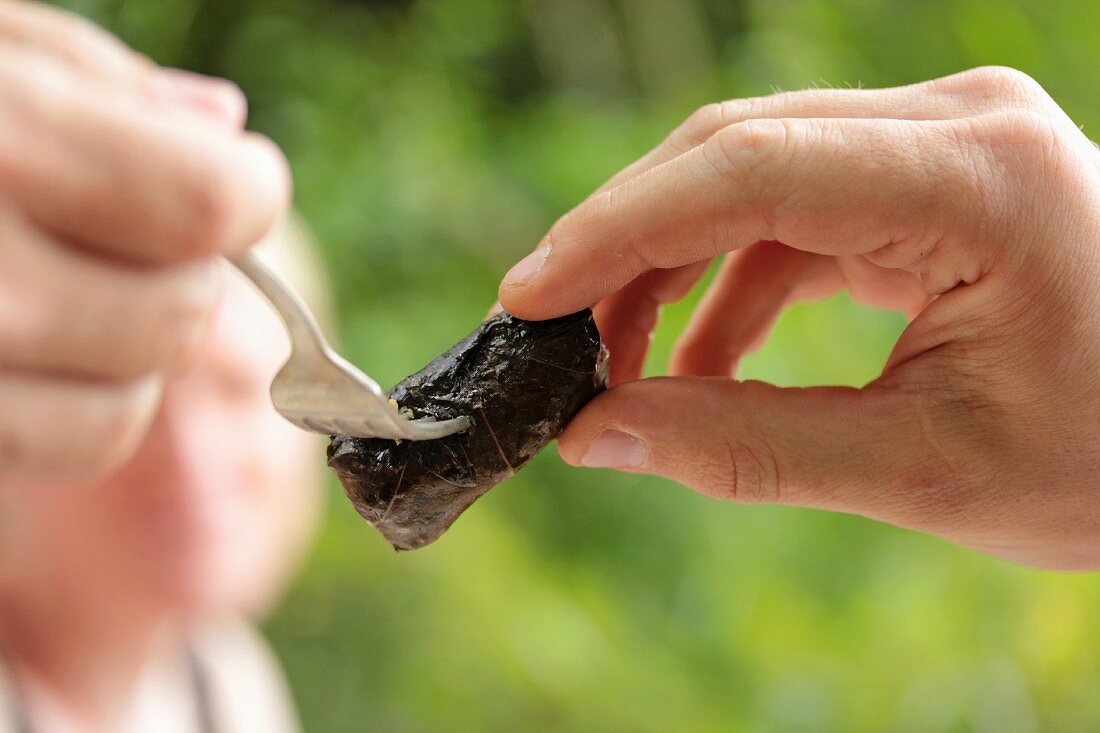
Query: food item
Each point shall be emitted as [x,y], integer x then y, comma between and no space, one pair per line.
[520,382]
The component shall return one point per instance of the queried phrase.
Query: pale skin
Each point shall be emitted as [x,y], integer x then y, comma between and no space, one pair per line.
[971,203]
[149,494]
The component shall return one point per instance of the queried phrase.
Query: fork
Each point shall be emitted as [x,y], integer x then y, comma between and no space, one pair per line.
[322,392]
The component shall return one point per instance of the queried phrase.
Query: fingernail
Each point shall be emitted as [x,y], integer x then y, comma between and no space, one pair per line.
[495,310]
[216,97]
[615,449]
[528,268]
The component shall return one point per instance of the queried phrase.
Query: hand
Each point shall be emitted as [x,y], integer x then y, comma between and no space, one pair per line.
[120,183]
[972,203]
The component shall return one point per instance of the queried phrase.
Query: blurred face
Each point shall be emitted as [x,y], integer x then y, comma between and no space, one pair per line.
[216,506]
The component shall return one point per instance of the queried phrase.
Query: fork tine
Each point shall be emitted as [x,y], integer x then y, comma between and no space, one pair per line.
[319,390]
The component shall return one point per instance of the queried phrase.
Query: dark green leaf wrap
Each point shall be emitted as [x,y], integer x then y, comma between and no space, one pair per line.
[519,381]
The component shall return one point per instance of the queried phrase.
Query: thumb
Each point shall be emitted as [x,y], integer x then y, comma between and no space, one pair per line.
[858,451]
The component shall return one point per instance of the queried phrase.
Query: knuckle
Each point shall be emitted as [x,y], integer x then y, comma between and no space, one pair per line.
[751,155]
[705,121]
[706,117]
[743,471]
[1003,84]
[699,125]
[213,209]
[759,137]
[232,204]
[747,147]
[1021,129]
[1027,146]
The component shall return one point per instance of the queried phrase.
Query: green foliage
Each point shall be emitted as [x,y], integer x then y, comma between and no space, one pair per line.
[433,142]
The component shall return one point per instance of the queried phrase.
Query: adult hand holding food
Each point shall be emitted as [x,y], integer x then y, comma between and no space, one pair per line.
[971,203]
[120,184]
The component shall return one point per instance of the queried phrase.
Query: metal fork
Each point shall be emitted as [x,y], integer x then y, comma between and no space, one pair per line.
[319,390]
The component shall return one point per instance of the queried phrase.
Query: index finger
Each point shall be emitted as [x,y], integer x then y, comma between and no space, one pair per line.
[127,178]
[831,186]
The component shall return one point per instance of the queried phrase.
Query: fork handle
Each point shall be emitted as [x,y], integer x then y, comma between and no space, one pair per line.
[300,323]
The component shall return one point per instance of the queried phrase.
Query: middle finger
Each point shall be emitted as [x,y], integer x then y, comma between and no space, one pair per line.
[836,187]
[68,313]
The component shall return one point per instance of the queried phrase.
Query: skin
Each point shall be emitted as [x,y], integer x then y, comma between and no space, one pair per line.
[970,203]
[148,490]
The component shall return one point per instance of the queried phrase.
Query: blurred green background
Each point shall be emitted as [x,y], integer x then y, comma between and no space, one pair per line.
[433,142]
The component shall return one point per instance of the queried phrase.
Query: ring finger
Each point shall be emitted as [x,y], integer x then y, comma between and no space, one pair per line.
[70,429]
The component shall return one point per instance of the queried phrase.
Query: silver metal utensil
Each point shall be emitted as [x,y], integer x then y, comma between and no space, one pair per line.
[319,390]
